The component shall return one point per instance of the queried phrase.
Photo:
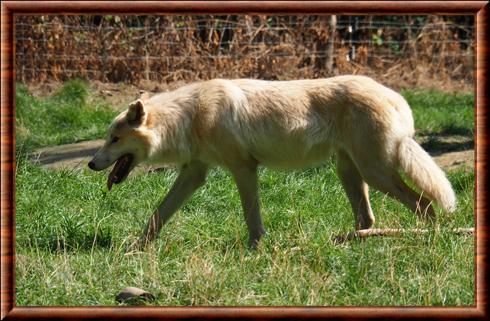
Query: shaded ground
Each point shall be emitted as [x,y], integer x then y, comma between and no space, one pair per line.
[66,156]
[73,156]
[450,152]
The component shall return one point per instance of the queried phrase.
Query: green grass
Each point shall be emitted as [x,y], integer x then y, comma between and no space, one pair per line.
[438,113]
[71,115]
[72,235]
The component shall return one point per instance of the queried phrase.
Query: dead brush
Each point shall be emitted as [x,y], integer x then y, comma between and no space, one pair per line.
[187,48]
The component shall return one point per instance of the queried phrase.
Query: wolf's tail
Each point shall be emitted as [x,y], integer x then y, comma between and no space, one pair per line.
[425,174]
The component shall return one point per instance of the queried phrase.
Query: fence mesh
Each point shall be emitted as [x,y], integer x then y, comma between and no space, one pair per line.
[402,50]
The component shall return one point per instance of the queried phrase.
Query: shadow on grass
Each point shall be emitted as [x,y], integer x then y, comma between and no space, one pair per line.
[456,130]
[450,139]
[450,130]
[436,147]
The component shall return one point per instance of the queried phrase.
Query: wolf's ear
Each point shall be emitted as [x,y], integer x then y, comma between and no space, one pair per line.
[144,95]
[136,113]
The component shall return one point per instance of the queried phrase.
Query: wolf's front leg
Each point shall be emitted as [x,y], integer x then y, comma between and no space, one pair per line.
[190,178]
[247,183]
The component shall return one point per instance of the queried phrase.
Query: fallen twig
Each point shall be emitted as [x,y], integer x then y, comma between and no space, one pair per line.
[360,234]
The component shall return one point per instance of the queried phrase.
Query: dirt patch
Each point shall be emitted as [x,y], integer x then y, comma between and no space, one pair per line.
[74,156]
[452,152]
[463,160]
[44,89]
[70,156]
[119,95]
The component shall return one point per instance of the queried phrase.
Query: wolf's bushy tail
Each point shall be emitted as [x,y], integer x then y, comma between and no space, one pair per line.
[425,174]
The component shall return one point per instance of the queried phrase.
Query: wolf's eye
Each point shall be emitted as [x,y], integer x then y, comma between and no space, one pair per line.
[115,139]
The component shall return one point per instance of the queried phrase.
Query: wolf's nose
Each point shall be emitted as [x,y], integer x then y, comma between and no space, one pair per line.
[91,165]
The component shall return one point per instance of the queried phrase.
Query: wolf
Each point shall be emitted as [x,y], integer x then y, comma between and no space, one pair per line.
[243,123]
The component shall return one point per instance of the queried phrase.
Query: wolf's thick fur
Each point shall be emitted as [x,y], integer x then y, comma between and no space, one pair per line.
[239,124]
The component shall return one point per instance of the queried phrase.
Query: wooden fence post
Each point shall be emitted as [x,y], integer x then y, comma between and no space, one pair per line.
[331,43]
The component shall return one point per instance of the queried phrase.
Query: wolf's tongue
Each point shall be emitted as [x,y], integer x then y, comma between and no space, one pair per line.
[115,174]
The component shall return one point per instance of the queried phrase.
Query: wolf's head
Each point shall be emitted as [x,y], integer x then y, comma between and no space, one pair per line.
[127,144]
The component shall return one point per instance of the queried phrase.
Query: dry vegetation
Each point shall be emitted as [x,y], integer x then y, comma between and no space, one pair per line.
[401,51]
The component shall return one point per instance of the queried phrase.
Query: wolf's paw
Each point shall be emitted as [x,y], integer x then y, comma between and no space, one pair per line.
[254,237]
[253,244]
[135,247]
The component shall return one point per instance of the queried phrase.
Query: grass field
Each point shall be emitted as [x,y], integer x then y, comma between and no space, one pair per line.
[72,234]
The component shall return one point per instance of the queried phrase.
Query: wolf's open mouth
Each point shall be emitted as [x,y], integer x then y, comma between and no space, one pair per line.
[120,170]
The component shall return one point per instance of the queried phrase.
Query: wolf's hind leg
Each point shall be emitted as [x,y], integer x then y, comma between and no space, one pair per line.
[357,191]
[388,180]
[247,183]
[190,178]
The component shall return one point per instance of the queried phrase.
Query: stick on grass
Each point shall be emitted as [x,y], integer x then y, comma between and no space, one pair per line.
[361,234]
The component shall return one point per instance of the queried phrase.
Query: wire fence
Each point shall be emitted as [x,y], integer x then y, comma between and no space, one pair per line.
[405,50]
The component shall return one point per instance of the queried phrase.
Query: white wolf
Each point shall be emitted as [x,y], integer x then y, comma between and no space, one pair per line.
[240,124]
